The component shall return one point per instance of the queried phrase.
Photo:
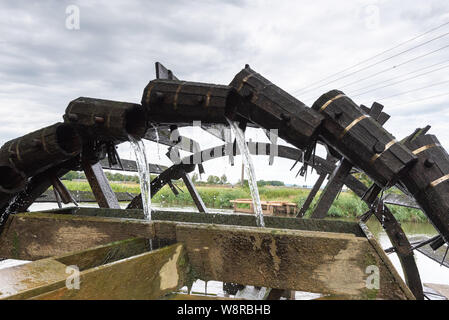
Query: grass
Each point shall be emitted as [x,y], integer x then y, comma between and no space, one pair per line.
[347,205]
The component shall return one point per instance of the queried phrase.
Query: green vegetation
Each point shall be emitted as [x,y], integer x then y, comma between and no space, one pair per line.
[218,194]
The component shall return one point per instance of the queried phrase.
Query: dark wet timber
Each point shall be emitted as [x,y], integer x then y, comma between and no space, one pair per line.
[428,180]
[270,107]
[361,139]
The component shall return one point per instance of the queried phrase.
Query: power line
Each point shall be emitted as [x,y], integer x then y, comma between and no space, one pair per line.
[422,99]
[400,76]
[417,89]
[397,82]
[373,57]
[379,62]
[398,65]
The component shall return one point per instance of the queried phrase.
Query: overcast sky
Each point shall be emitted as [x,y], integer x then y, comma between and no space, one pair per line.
[46,61]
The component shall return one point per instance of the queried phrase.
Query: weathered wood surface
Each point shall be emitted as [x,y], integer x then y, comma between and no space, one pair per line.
[163,73]
[361,139]
[283,259]
[34,188]
[39,150]
[160,272]
[172,101]
[100,185]
[428,180]
[150,275]
[332,189]
[272,108]
[296,260]
[32,236]
[193,192]
[43,275]
[399,240]
[311,195]
[106,120]
[216,218]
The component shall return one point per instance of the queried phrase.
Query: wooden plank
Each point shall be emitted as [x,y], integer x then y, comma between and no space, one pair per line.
[100,186]
[32,236]
[399,240]
[332,189]
[293,260]
[61,190]
[160,272]
[31,276]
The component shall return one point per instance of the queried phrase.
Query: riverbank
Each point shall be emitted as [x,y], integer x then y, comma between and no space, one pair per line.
[347,205]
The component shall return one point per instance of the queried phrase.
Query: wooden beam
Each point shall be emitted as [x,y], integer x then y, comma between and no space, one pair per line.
[160,272]
[333,187]
[100,185]
[311,195]
[193,192]
[327,263]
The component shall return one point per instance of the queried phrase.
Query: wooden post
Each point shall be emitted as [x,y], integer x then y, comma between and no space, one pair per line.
[333,187]
[100,186]
[193,192]
[311,195]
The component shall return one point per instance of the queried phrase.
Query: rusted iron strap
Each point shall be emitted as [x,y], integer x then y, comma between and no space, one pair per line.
[352,124]
[387,146]
[424,148]
[324,106]
[438,181]
[175,99]
[244,81]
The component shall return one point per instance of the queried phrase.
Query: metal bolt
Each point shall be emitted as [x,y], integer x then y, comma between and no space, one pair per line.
[429,162]
[379,147]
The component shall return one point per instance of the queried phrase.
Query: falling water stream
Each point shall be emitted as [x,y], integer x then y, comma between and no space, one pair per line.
[157,140]
[144,174]
[249,168]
